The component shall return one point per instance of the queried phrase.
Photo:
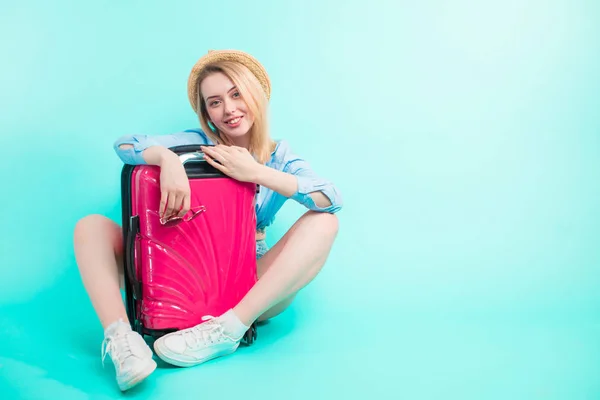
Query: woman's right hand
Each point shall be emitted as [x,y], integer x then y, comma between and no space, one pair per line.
[174,188]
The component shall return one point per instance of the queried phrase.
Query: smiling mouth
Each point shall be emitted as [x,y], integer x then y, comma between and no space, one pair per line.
[233,121]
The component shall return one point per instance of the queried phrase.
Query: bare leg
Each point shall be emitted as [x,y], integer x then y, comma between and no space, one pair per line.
[289,266]
[263,265]
[98,245]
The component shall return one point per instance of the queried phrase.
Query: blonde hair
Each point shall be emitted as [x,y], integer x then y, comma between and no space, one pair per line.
[261,144]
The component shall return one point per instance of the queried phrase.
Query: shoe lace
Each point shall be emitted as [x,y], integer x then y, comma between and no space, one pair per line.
[116,346]
[209,332]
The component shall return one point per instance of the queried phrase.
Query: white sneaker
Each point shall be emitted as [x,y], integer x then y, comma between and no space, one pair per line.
[131,356]
[196,345]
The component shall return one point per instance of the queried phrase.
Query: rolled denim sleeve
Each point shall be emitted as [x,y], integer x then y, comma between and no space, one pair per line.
[309,182]
[133,155]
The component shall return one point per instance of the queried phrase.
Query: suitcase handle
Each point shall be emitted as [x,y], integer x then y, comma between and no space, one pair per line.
[190,152]
[188,148]
[196,156]
[132,232]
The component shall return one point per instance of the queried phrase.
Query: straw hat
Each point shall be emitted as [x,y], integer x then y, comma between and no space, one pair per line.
[226,55]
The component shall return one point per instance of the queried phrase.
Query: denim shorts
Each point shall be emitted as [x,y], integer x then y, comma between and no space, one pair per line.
[261,248]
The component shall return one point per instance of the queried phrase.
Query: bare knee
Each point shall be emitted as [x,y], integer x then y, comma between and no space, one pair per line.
[89,225]
[97,227]
[327,223]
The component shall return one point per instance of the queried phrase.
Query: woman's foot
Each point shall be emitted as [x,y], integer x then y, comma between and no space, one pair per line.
[130,354]
[214,338]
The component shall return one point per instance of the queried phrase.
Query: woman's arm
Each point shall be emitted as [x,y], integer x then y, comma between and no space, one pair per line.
[131,149]
[289,176]
[153,150]
[286,184]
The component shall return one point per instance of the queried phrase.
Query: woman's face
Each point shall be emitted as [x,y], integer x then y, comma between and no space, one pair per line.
[227,111]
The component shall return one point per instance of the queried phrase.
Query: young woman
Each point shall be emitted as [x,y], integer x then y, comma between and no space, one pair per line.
[229,90]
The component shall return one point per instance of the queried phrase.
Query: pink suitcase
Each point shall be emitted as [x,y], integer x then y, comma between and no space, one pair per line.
[204,264]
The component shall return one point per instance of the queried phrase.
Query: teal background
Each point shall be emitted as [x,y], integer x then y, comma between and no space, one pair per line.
[463,135]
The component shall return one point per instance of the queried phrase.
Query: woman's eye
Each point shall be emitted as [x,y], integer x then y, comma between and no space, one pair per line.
[214,103]
[236,94]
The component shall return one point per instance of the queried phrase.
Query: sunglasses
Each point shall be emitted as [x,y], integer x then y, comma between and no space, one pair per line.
[172,221]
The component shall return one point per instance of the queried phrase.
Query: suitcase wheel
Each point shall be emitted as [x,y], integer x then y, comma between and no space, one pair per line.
[251,335]
[137,327]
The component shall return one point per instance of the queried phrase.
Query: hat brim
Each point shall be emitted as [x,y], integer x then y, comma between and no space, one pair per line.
[226,55]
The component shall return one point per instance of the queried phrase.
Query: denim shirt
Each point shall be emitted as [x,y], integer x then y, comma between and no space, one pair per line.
[268,202]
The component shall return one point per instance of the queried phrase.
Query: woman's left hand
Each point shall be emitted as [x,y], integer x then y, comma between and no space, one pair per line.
[233,161]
